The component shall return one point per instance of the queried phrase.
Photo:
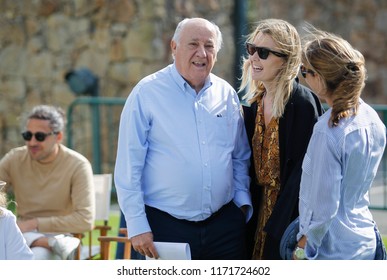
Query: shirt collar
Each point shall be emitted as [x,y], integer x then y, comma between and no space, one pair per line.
[183,83]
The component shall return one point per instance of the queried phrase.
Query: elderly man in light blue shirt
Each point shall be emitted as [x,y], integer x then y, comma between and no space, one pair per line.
[183,153]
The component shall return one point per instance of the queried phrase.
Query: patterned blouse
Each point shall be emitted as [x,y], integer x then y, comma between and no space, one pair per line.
[265,144]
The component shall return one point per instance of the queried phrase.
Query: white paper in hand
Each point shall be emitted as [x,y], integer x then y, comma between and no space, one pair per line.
[172,251]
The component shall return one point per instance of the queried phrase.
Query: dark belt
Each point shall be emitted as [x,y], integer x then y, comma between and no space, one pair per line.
[208,220]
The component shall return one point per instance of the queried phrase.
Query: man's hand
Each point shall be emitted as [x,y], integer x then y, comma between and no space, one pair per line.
[143,243]
[27,224]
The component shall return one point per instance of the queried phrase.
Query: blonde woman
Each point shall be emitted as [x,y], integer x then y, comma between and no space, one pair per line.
[342,159]
[279,118]
[12,243]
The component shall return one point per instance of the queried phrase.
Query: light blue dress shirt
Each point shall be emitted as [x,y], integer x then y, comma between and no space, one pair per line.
[184,153]
[337,173]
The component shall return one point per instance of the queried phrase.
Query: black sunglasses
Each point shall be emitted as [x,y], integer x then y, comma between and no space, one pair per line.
[263,53]
[305,71]
[39,136]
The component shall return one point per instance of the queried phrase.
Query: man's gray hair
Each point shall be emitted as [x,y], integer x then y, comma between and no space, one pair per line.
[55,115]
[219,38]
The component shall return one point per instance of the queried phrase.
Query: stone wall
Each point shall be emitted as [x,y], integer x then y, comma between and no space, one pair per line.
[121,41]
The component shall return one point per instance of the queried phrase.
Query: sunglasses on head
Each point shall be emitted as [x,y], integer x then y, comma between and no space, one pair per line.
[39,136]
[263,53]
[305,71]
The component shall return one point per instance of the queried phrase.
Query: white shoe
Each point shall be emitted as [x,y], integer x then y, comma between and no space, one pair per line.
[64,246]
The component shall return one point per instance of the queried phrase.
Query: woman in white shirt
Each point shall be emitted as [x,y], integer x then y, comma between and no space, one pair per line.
[342,159]
[12,243]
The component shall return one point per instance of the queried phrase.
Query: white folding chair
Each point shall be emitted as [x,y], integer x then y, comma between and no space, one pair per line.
[102,188]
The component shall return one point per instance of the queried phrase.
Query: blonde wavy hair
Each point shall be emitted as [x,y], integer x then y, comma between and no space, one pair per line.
[341,67]
[288,42]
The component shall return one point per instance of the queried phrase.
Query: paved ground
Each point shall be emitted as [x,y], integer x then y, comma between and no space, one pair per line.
[380,216]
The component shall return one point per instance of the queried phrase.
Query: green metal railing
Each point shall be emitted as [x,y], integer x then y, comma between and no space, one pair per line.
[98,119]
[99,115]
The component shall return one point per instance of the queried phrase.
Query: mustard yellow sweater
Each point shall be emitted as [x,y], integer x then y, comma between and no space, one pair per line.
[59,194]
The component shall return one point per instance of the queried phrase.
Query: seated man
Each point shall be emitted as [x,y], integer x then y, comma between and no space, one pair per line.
[52,184]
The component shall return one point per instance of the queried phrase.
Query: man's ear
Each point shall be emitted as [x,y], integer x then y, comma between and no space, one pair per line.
[173,46]
[59,136]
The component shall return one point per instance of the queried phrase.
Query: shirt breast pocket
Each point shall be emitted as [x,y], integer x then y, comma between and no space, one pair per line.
[221,131]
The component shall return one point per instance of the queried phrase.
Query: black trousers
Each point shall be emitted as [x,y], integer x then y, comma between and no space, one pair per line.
[220,237]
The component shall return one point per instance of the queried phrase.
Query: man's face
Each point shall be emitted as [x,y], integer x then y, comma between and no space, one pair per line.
[195,53]
[43,151]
